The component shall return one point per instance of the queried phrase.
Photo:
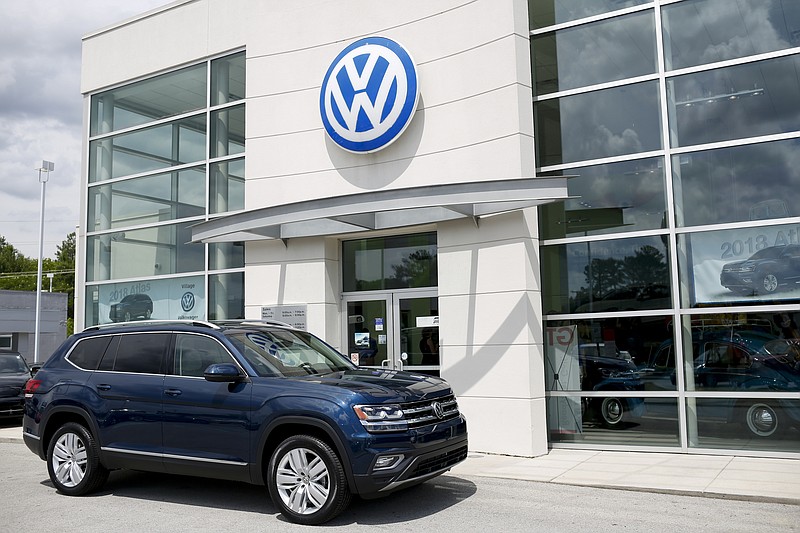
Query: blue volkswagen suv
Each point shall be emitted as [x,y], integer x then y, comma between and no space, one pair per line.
[256,402]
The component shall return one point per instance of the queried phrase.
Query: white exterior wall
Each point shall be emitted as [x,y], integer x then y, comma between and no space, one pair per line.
[474,122]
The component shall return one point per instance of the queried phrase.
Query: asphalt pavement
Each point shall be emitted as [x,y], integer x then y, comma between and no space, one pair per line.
[730,477]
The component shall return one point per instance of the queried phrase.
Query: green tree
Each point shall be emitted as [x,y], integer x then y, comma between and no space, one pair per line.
[16,269]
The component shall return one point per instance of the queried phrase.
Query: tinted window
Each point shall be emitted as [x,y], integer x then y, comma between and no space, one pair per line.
[141,353]
[194,353]
[88,352]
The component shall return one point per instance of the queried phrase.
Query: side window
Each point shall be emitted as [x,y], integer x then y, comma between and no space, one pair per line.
[141,353]
[193,354]
[87,353]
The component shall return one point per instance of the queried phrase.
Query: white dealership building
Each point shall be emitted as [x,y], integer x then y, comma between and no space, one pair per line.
[584,217]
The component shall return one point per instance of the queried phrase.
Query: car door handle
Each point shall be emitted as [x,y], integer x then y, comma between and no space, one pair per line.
[104,387]
[173,392]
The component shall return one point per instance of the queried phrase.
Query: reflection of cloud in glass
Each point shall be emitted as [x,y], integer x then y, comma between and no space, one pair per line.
[738,184]
[706,31]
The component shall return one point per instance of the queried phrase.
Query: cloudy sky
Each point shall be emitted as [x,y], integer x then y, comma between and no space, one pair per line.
[41,111]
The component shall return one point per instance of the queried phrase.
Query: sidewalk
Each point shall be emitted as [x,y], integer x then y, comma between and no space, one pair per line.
[750,478]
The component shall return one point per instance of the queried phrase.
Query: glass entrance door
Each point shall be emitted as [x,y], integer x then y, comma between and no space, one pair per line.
[398,330]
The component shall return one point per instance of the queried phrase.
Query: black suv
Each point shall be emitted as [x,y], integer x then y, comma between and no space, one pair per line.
[250,401]
[764,272]
[14,372]
[133,306]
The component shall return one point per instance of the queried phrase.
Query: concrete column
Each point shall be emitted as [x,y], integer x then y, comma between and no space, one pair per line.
[491,334]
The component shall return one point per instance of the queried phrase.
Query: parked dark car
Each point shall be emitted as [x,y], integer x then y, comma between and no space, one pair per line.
[740,361]
[133,306]
[14,372]
[254,402]
[765,272]
[601,372]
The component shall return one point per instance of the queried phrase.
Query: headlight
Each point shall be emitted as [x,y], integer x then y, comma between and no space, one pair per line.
[376,418]
[748,268]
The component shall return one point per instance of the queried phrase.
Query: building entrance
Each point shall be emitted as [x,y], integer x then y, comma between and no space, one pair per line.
[398,330]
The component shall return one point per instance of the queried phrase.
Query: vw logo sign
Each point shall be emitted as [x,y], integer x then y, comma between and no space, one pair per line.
[438,410]
[187,302]
[369,95]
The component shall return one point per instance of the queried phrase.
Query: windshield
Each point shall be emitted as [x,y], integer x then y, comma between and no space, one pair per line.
[287,353]
[12,364]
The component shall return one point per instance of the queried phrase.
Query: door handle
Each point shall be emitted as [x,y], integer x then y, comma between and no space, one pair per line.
[104,387]
[172,392]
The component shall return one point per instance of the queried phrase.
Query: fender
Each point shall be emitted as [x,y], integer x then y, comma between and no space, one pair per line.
[44,425]
[257,472]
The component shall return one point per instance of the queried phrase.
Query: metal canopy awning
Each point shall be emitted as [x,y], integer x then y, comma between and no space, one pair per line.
[380,210]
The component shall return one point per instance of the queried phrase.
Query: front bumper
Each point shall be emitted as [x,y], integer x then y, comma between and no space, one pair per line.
[427,456]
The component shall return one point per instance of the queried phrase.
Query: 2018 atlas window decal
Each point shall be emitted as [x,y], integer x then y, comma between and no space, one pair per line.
[369,95]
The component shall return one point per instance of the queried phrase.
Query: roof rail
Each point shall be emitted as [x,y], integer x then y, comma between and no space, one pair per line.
[198,323]
[253,322]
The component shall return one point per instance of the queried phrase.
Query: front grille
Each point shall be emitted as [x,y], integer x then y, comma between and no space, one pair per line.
[440,462]
[419,414]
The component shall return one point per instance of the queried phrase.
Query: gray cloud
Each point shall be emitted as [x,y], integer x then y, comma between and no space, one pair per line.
[41,111]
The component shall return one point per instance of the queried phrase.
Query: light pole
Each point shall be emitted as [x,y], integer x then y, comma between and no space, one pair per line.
[46,167]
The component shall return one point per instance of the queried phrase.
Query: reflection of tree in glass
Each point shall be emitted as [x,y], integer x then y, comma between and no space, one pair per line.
[415,270]
[646,266]
[604,275]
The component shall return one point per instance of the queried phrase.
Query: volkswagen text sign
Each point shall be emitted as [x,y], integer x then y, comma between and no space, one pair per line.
[369,95]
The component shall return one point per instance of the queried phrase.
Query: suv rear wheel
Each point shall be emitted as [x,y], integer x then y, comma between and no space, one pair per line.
[73,461]
[306,480]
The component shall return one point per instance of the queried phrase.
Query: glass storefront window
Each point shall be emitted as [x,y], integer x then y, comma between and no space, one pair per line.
[226,296]
[157,198]
[743,266]
[752,182]
[595,53]
[543,13]
[144,252]
[148,149]
[610,354]
[226,186]
[398,262]
[148,299]
[698,32]
[735,102]
[603,421]
[611,198]
[139,103]
[226,135]
[745,352]
[606,276]
[757,424]
[225,255]
[611,122]
[228,79]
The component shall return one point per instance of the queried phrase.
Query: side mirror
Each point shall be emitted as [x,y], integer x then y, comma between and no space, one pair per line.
[223,373]
[35,368]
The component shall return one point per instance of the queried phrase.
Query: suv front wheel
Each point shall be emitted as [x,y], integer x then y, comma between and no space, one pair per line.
[73,461]
[306,480]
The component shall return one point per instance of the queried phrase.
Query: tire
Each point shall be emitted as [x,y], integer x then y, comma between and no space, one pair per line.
[612,412]
[306,480]
[761,420]
[769,283]
[73,461]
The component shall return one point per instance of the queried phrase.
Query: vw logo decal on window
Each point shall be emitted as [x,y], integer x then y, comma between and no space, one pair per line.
[187,302]
[369,95]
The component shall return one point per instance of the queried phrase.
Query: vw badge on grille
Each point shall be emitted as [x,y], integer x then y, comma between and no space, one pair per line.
[438,410]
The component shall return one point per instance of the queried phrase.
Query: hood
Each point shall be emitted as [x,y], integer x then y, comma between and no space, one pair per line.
[381,386]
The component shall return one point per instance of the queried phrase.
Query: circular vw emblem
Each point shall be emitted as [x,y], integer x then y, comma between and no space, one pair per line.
[369,95]
[438,410]
[187,301]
